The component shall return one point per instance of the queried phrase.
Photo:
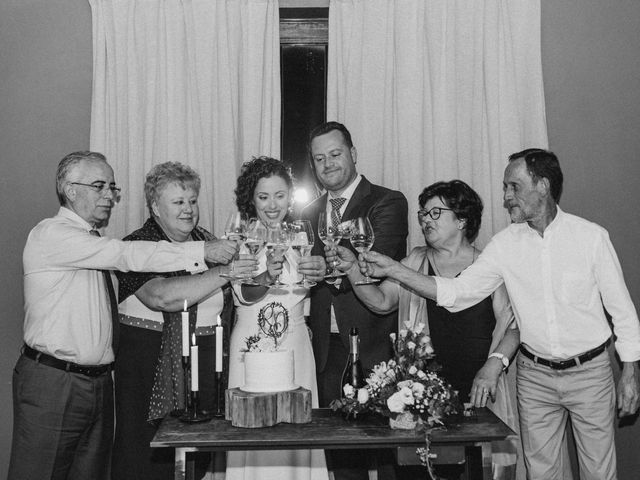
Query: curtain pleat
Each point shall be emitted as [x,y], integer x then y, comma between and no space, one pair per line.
[437,89]
[194,81]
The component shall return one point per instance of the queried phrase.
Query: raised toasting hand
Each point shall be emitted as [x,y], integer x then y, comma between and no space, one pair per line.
[244,266]
[312,267]
[220,251]
[376,264]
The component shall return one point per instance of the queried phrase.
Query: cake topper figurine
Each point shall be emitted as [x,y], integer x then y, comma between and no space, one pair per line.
[273,321]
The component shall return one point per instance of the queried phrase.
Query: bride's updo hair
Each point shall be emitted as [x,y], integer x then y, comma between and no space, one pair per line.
[250,174]
[462,199]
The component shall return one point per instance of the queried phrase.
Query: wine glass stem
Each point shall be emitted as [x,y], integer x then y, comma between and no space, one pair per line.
[334,263]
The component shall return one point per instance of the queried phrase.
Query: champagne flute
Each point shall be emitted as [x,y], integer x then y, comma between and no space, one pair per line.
[256,239]
[362,239]
[235,228]
[302,244]
[277,244]
[329,236]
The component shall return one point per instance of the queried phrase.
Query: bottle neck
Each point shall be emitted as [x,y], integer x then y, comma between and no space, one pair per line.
[353,346]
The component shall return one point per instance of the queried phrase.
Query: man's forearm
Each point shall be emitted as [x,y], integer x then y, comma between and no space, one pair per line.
[372,295]
[423,285]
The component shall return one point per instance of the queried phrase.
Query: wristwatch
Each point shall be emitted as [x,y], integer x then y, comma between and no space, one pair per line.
[503,358]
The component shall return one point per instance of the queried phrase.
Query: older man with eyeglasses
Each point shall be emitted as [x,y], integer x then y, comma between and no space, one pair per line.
[62,385]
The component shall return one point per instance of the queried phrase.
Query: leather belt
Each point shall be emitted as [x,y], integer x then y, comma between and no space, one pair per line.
[48,360]
[570,362]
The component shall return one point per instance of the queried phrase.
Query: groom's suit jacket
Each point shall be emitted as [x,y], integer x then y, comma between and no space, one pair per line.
[387,211]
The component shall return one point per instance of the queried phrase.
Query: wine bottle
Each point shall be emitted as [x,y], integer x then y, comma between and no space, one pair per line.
[353,373]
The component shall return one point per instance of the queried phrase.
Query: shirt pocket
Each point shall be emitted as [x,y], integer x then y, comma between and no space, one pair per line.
[574,288]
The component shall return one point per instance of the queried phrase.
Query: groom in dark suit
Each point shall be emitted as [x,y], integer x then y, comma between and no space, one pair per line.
[334,307]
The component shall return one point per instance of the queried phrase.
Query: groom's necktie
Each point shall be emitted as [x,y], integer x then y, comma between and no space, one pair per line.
[113,303]
[336,204]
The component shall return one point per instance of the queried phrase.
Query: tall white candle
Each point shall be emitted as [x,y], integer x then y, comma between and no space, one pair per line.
[185,331]
[219,336]
[194,366]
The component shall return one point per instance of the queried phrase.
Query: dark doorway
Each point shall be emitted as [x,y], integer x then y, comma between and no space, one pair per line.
[303,63]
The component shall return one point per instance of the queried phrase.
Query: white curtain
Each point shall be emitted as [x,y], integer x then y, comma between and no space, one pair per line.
[194,81]
[437,89]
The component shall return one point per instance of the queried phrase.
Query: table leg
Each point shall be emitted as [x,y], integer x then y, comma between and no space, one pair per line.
[487,471]
[478,464]
[373,469]
[180,469]
[183,469]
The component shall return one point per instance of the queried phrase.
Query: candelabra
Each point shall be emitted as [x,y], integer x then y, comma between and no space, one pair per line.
[179,412]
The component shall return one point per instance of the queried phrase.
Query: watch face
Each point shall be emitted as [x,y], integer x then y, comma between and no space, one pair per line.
[503,358]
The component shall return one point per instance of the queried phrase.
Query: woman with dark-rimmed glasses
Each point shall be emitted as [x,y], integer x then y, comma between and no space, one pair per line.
[473,346]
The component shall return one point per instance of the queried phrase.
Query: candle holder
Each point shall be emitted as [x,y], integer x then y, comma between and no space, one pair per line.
[178,412]
[194,414]
[219,403]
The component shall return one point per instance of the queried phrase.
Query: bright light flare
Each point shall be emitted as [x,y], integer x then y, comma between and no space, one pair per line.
[300,196]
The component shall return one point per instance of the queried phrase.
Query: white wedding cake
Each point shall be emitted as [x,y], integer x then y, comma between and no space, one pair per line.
[269,372]
[269,395]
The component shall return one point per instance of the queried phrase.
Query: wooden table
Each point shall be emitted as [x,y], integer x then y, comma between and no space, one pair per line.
[329,430]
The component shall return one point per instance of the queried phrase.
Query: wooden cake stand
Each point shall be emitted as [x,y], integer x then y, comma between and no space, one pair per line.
[255,410]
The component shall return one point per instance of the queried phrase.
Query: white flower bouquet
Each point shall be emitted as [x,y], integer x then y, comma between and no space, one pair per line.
[407,388]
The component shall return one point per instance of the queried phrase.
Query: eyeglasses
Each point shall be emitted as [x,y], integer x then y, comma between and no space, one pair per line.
[100,187]
[434,213]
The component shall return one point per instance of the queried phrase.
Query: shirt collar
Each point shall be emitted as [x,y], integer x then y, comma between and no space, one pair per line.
[348,192]
[554,225]
[74,217]
[557,220]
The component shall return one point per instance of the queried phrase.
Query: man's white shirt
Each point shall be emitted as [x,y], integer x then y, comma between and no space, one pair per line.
[557,285]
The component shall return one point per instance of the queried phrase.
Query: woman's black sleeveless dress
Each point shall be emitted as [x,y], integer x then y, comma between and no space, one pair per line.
[461,341]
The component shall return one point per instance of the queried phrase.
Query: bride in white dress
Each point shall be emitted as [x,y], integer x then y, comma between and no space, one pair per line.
[264,191]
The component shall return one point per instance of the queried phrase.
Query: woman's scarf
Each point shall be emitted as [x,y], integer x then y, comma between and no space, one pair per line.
[167,393]
[412,308]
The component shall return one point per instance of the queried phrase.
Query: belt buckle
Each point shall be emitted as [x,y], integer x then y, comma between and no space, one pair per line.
[88,371]
[558,365]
